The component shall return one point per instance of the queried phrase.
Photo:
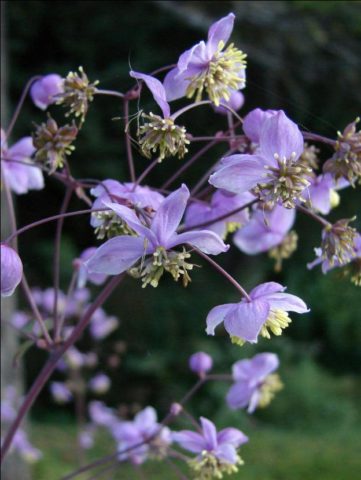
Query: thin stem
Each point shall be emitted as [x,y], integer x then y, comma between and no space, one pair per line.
[146,172]
[50,365]
[221,217]
[128,143]
[189,163]
[162,69]
[71,288]
[105,470]
[112,93]
[20,105]
[318,138]
[313,215]
[51,219]
[224,273]
[190,107]
[11,208]
[56,262]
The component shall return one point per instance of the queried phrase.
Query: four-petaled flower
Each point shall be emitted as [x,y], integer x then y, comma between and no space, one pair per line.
[266,309]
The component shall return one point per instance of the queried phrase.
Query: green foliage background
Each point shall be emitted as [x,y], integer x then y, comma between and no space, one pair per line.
[303,57]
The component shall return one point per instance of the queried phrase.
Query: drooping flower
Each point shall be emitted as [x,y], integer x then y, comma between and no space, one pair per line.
[44,91]
[160,133]
[264,230]
[274,172]
[200,363]
[217,452]
[265,311]
[255,384]
[145,431]
[123,252]
[222,202]
[346,161]
[107,223]
[100,383]
[19,170]
[11,270]
[209,67]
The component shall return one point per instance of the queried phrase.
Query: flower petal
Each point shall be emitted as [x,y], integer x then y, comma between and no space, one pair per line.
[157,89]
[253,122]
[116,255]
[240,175]
[209,433]
[191,441]
[246,320]
[220,31]
[22,149]
[233,436]
[216,316]
[175,84]
[206,240]
[287,302]
[265,289]
[281,136]
[226,453]
[169,214]
[239,395]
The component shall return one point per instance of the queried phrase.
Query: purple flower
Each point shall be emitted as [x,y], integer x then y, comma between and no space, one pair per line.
[100,383]
[200,363]
[60,392]
[266,310]
[235,102]
[254,385]
[209,66]
[101,325]
[144,430]
[253,123]
[101,415]
[265,230]
[321,194]
[27,451]
[120,253]
[20,172]
[11,270]
[222,202]
[43,92]
[274,172]
[217,452]
[86,438]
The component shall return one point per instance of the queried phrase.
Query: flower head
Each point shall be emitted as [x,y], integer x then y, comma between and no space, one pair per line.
[255,384]
[209,67]
[145,431]
[20,172]
[160,133]
[265,311]
[217,451]
[274,172]
[11,270]
[44,91]
[158,240]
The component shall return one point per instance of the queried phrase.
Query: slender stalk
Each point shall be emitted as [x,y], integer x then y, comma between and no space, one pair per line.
[224,273]
[128,143]
[318,138]
[189,163]
[190,107]
[20,105]
[56,261]
[105,470]
[51,219]
[313,215]
[111,93]
[50,365]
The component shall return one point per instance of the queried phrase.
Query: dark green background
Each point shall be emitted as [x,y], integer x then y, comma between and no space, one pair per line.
[303,57]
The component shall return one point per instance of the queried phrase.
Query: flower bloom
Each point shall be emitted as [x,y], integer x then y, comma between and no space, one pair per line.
[102,325]
[209,67]
[100,383]
[106,223]
[60,392]
[120,253]
[255,385]
[253,123]
[222,202]
[11,270]
[200,363]
[43,92]
[274,172]
[265,310]
[160,133]
[321,194]
[144,430]
[264,230]
[217,452]
[20,172]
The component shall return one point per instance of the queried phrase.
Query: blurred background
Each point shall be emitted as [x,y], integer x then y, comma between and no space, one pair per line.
[303,57]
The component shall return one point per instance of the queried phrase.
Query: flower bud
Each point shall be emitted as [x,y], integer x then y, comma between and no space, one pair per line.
[43,91]
[200,363]
[235,102]
[11,270]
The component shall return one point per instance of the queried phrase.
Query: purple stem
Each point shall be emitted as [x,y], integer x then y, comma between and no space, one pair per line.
[127,140]
[318,138]
[145,173]
[50,365]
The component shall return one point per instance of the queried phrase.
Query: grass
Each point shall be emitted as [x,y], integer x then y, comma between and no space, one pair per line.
[270,455]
